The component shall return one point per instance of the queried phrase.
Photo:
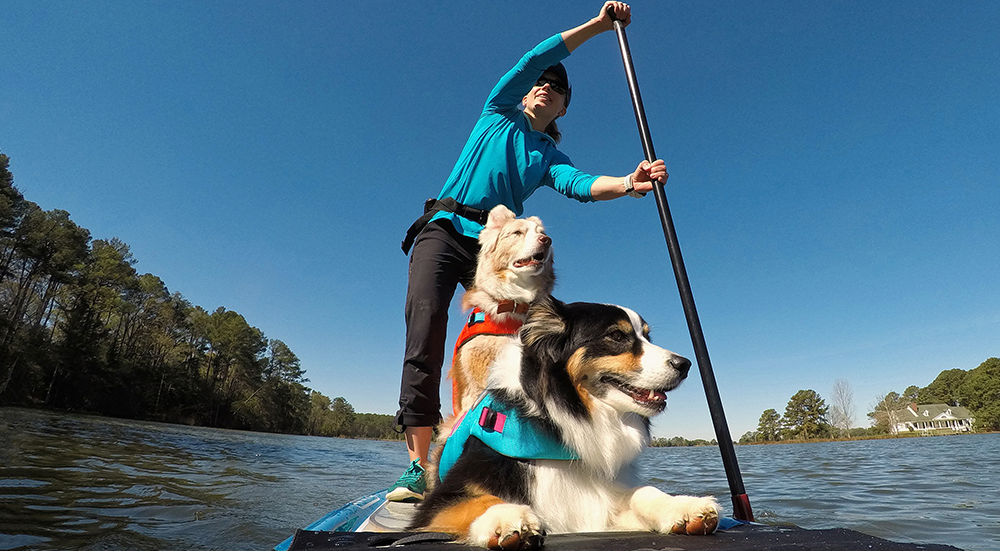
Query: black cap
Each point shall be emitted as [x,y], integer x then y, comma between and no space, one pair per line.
[559,72]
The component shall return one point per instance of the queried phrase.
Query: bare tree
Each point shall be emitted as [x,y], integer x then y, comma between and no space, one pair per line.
[842,411]
[885,412]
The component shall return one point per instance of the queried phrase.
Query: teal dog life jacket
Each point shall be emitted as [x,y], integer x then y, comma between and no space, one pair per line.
[504,430]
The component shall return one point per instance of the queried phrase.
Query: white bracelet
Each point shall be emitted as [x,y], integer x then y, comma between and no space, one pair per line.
[630,188]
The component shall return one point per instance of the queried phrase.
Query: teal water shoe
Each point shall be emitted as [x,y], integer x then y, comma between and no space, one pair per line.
[411,486]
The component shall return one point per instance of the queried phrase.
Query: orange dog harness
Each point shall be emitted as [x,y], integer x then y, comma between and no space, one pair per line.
[480,323]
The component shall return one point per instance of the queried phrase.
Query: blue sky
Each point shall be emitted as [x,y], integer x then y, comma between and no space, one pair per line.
[834,172]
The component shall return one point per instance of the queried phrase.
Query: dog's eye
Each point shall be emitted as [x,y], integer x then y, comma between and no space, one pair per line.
[617,336]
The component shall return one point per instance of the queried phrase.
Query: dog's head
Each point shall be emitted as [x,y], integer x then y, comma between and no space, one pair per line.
[582,357]
[515,257]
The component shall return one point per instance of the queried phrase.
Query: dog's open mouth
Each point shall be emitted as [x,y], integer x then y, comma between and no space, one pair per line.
[653,399]
[534,260]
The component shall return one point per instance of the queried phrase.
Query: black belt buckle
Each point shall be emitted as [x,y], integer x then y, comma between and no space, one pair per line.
[488,420]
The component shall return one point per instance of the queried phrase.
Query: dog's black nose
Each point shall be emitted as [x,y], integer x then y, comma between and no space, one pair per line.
[681,364]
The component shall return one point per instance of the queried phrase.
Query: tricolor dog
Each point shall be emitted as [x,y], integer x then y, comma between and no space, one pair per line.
[514,268]
[552,446]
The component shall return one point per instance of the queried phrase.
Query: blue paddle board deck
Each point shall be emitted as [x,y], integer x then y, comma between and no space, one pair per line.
[371,522]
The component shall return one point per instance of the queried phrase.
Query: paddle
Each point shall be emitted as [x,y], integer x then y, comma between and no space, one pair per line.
[741,502]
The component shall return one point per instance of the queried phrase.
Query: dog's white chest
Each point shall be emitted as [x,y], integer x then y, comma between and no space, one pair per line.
[569,499]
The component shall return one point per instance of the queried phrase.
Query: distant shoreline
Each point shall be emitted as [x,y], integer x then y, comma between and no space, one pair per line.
[698,443]
[861,438]
[59,411]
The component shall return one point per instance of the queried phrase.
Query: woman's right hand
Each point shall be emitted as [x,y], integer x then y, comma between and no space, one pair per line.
[622,11]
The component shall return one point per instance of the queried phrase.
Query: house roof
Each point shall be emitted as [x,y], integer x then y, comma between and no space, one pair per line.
[932,412]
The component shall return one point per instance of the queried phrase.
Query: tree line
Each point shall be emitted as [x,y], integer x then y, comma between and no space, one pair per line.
[807,415]
[82,330]
[680,442]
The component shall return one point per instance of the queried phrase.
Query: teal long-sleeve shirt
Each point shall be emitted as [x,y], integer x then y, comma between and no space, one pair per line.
[505,160]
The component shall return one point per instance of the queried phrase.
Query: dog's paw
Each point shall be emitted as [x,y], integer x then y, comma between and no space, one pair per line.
[509,527]
[701,518]
[677,514]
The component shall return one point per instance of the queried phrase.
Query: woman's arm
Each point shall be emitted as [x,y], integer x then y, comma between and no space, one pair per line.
[518,81]
[576,36]
[606,188]
[513,85]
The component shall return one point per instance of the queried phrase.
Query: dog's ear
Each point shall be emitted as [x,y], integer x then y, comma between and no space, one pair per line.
[545,331]
[499,216]
[545,348]
[544,319]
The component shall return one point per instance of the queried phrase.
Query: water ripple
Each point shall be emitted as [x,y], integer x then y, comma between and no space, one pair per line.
[70,481]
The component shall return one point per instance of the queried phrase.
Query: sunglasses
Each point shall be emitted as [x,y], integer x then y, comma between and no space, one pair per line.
[555,86]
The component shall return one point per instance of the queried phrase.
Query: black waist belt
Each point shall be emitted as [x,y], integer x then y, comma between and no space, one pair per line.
[432,206]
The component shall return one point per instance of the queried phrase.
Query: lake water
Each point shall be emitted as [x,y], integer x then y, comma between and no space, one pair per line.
[81,482]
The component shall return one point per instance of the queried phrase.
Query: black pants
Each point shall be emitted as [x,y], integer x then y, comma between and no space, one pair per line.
[441,259]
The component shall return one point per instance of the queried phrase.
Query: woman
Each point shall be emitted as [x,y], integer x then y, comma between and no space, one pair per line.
[511,153]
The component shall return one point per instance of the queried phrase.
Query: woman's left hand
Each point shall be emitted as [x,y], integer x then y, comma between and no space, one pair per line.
[647,172]
[622,11]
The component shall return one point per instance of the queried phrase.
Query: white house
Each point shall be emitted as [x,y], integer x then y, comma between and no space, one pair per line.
[933,417]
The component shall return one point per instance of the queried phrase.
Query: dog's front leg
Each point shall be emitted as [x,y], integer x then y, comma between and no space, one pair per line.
[650,509]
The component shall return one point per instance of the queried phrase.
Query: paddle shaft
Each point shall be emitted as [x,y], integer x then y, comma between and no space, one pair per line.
[741,502]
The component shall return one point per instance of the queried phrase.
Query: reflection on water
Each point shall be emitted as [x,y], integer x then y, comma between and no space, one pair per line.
[927,490]
[80,482]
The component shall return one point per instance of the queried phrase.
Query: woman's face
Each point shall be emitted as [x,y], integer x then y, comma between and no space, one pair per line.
[543,102]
